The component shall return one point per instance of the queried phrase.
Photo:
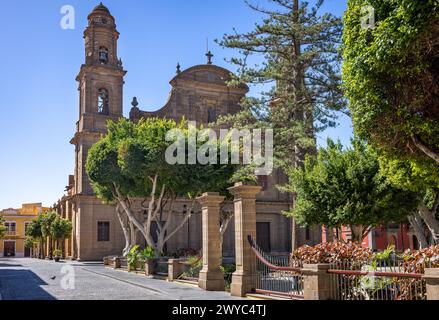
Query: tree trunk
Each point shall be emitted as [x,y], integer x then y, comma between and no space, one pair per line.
[224,224]
[430,220]
[125,230]
[418,229]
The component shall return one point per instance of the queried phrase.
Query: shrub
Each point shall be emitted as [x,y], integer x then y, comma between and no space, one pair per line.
[57,253]
[133,257]
[331,252]
[418,260]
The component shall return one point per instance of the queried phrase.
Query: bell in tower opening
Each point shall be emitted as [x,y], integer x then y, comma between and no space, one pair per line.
[103,55]
[103,101]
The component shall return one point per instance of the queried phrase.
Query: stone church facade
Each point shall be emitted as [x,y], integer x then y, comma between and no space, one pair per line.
[199,94]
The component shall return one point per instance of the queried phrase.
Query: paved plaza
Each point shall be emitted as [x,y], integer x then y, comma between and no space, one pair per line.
[31,279]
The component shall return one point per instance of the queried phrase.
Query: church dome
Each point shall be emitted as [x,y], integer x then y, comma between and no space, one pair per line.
[101,16]
[101,9]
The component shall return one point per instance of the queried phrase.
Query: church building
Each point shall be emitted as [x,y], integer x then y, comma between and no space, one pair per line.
[199,94]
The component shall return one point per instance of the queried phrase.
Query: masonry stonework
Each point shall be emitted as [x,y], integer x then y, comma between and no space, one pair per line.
[200,93]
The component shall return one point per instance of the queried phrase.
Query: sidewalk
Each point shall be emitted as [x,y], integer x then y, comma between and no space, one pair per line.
[170,290]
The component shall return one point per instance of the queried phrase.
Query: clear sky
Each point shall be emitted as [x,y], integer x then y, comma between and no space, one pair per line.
[39,62]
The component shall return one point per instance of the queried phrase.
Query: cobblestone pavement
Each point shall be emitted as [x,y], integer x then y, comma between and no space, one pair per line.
[31,279]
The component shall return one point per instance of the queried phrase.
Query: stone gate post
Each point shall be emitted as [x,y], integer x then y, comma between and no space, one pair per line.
[211,277]
[245,225]
[431,278]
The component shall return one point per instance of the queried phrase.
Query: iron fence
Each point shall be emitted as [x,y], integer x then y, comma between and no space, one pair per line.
[275,276]
[382,280]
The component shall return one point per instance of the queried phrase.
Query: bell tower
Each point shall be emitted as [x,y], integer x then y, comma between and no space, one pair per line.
[101,81]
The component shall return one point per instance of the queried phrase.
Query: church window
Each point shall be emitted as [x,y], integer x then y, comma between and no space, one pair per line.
[103,231]
[103,55]
[103,101]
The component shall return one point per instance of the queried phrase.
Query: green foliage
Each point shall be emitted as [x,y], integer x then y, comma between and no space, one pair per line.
[29,242]
[195,264]
[391,75]
[131,155]
[35,228]
[60,229]
[345,188]
[47,220]
[147,253]
[298,83]
[133,257]
[57,253]
[228,270]
[2,228]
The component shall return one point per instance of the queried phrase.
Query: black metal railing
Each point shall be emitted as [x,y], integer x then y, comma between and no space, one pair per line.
[275,276]
[376,281]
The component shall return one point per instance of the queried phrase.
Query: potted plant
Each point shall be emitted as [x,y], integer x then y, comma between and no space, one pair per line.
[57,254]
[147,258]
[132,258]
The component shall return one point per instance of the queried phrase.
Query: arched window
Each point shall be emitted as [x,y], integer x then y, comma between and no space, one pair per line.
[103,101]
[103,55]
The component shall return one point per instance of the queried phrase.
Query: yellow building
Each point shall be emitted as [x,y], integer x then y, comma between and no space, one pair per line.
[16,220]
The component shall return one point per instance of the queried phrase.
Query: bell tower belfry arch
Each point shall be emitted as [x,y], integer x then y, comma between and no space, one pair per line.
[101,81]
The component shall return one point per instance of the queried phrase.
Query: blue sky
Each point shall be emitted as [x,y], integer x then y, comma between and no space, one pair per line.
[40,60]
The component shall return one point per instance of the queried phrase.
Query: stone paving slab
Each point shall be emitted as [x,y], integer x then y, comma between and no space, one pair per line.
[31,279]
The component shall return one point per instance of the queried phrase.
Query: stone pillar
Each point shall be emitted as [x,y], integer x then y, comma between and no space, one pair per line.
[431,277]
[211,277]
[117,263]
[245,225]
[174,269]
[317,282]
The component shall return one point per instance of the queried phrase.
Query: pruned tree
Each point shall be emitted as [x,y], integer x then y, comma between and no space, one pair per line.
[422,179]
[34,233]
[346,188]
[128,167]
[60,230]
[47,220]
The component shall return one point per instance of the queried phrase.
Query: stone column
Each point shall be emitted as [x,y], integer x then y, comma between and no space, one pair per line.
[317,282]
[431,277]
[211,277]
[245,225]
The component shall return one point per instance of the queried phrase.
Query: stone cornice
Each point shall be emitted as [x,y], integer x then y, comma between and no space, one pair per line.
[100,69]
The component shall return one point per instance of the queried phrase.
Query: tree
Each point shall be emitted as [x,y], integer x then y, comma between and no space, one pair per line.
[34,233]
[2,228]
[128,168]
[346,188]
[391,75]
[424,180]
[46,229]
[60,230]
[298,82]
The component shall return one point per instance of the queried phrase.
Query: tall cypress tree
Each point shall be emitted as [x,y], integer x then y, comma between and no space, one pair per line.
[299,77]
